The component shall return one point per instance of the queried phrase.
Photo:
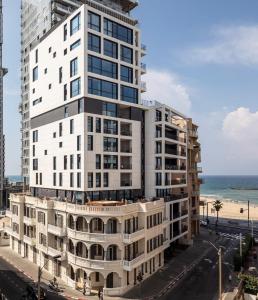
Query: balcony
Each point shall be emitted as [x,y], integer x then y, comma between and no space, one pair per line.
[174,137]
[199,170]
[55,251]
[126,179]
[143,68]
[129,265]
[175,167]
[29,240]
[129,238]
[126,129]
[143,50]
[193,133]
[126,146]
[56,230]
[195,193]
[126,163]
[94,237]
[8,213]
[175,197]
[178,181]
[143,87]
[29,221]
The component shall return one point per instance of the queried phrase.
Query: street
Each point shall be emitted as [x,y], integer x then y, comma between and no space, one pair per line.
[13,284]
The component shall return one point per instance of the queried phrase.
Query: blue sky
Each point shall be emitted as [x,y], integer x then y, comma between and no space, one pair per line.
[202,59]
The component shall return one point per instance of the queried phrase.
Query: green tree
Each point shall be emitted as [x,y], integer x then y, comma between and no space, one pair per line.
[217,204]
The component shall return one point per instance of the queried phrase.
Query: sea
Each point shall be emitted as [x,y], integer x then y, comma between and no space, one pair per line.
[231,188]
[14,178]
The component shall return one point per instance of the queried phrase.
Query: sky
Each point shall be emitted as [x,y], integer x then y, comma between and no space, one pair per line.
[202,59]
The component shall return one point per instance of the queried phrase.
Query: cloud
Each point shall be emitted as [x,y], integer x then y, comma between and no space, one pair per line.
[230,45]
[165,87]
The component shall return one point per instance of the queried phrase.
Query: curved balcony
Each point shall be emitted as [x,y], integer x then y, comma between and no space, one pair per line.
[94,237]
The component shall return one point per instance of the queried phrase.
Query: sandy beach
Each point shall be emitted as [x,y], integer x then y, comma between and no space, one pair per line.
[230,210]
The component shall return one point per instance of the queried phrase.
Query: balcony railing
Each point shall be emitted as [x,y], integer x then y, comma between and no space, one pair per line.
[143,68]
[131,237]
[178,181]
[175,168]
[143,86]
[56,230]
[176,197]
[126,132]
[130,264]
[174,137]
[126,183]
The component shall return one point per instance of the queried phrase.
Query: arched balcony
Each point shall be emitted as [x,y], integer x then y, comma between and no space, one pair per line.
[113,253]
[81,224]
[96,226]
[112,226]
[71,247]
[113,281]
[97,281]
[81,250]
[96,252]
[70,272]
[71,223]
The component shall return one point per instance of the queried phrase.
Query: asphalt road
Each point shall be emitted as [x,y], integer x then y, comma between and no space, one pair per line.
[202,282]
[13,284]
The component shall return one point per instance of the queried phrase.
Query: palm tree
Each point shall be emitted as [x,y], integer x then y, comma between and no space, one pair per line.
[217,204]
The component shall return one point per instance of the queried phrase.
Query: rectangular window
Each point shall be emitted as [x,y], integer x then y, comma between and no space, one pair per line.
[71,161]
[75,87]
[110,127]
[90,180]
[65,92]
[78,143]
[54,179]
[60,129]
[94,43]
[54,163]
[98,161]
[129,94]
[35,74]
[65,162]
[90,124]
[73,67]
[40,178]
[90,143]
[35,164]
[80,106]
[158,179]
[75,24]
[126,74]
[78,161]
[35,136]
[71,126]
[78,180]
[66,113]
[118,31]
[110,162]
[102,88]
[60,179]
[105,179]
[65,32]
[110,144]
[102,67]
[37,178]
[75,45]
[36,56]
[109,109]
[98,125]
[94,21]
[71,180]
[98,179]
[110,48]
[33,150]
[127,54]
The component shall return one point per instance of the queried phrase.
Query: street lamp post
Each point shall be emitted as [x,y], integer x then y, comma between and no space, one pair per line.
[40,273]
[207,217]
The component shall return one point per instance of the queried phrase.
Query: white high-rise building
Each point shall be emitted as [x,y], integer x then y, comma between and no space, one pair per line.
[108,173]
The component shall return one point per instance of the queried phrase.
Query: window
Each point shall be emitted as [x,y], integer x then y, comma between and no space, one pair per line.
[98,179]
[60,144]
[54,55]
[94,43]
[90,180]
[75,87]
[78,161]
[71,126]
[50,86]
[60,75]
[94,21]
[36,56]
[45,152]
[90,124]
[102,88]
[127,54]
[54,135]
[65,92]
[35,74]
[49,50]
[109,109]
[45,71]
[37,101]
[66,113]
[98,161]
[33,150]
[110,127]
[158,178]
[110,162]
[75,24]
[78,143]
[71,161]
[73,67]
[65,32]
[126,74]
[98,125]
[54,163]
[35,136]
[75,45]
[129,94]
[110,48]
[105,179]
[60,179]
[118,31]
[90,143]
[158,147]
[78,180]
[54,179]
[110,144]
[71,180]
[35,164]
[80,106]
[65,162]
[60,129]
[102,67]
[65,51]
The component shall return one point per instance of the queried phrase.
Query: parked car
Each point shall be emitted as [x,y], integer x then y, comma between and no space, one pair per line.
[203,223]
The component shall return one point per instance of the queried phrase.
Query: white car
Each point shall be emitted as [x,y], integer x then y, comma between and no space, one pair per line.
[203,223]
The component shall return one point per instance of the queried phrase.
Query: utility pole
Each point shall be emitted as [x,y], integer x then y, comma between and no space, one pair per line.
[220,273]
[240,249]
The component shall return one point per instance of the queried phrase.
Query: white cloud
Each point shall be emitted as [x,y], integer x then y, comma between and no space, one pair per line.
[165,87]
[231,45]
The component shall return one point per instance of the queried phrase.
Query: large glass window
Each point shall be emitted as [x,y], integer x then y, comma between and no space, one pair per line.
[94,43]
[129,94]
[110,144]
[110,127]
[90,124]
[98,125]
[75,87]
[94,21]
[75,44]
[102,67]
[127,54]
[102,88]
[75,24]
[118,31]
[109,109]
[73,67]
[110,48]
[98,179]
[105,179]
[126,74]
[110,162]
[35,74]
